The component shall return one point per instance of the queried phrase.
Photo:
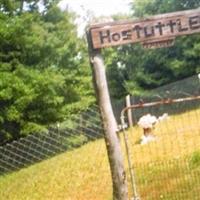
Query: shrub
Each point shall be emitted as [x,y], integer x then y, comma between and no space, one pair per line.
[194,160]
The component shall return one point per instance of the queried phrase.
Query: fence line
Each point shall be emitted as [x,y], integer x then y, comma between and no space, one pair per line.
[186,87]
[36,147]
[170,159]
[87,166]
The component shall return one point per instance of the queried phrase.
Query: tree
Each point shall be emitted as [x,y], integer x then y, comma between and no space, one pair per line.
[44,72]
[147,69]
[152,7]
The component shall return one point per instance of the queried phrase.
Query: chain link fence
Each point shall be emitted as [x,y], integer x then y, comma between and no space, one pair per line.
[37,147]
[166,165]
[74,159]
[69,162]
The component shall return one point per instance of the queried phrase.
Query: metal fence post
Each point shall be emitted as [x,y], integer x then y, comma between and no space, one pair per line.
[131,170]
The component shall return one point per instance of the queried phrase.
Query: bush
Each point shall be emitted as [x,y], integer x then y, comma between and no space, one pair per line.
[194,160]
[75,141]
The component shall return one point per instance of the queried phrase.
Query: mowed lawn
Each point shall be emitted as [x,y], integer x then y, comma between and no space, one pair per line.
[167,168]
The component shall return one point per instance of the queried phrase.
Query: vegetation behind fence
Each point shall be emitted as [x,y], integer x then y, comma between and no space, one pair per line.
[39,146]
[168,166]
[76,165]
[187,87]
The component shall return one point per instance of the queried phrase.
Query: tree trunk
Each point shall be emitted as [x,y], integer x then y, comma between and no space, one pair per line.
[21,6]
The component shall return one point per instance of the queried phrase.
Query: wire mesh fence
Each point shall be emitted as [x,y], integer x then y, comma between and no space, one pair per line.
[74,163]
[165,156]
[183,88]
[37,147]
[165,168]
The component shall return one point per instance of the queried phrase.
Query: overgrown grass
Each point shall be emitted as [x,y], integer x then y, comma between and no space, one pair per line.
[79,174]
[168,168]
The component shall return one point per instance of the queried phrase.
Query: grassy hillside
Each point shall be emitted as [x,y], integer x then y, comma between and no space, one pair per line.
[79,174]
[168,168]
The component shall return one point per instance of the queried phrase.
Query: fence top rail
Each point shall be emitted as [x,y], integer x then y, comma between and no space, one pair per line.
[157,103]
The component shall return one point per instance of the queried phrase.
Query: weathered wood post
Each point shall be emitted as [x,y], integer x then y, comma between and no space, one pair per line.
[129,112]
[120,189]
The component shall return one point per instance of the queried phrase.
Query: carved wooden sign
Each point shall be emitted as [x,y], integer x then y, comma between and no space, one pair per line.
[153,30]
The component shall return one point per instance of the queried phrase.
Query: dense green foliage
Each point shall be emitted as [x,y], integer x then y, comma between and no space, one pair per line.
[44,70]
[132,69]
[44,73]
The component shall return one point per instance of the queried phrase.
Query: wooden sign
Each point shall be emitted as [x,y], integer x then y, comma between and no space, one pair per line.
[159,28]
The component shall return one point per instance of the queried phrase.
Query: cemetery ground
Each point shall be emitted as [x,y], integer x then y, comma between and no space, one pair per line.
[167,168]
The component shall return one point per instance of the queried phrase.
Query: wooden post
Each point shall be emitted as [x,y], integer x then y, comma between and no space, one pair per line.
[129,111]
[120,189]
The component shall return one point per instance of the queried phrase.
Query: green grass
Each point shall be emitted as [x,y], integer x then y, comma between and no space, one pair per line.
[79,174]
[168,168]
